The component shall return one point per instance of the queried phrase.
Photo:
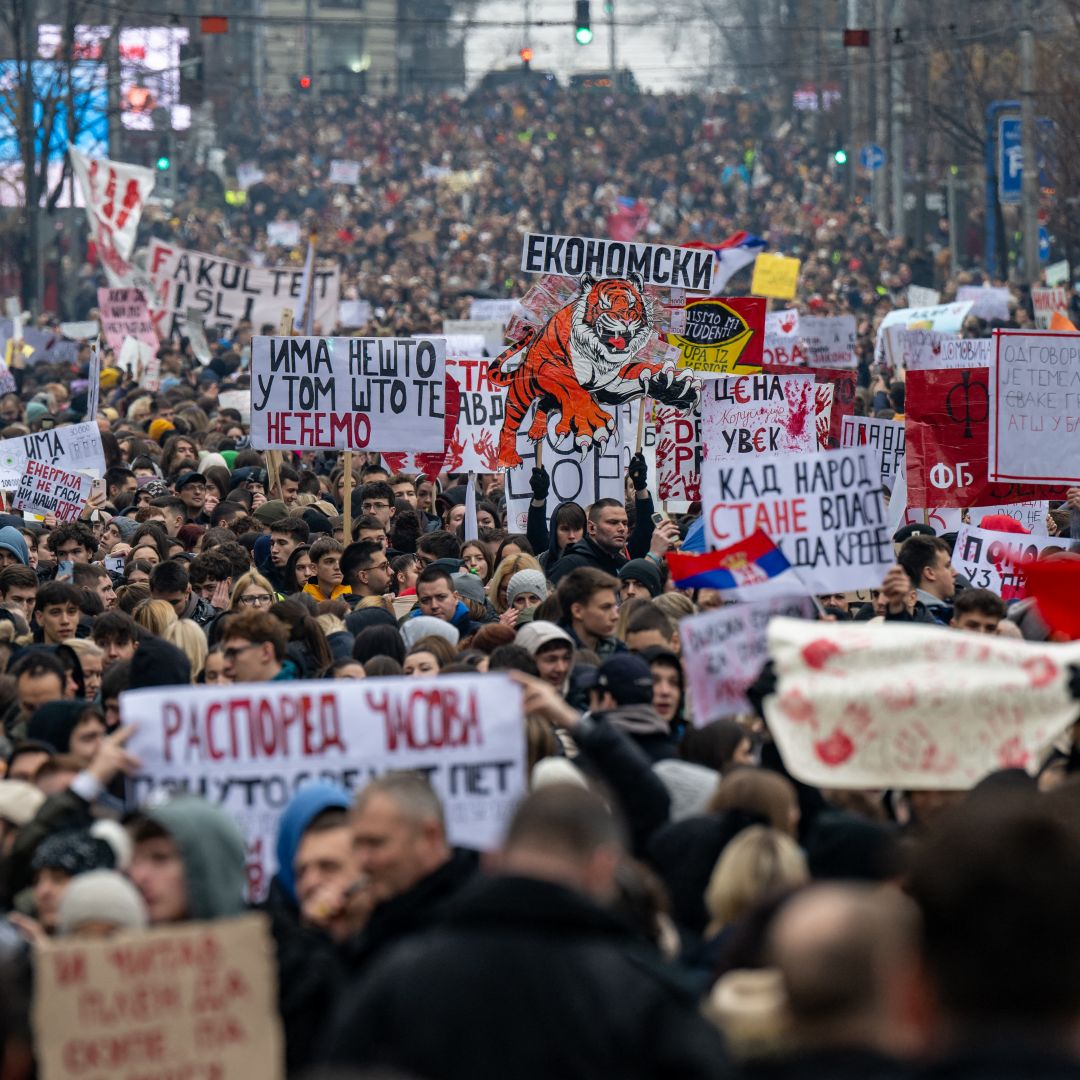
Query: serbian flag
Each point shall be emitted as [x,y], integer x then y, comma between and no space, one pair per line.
[1055,585]
[738,250]
[628,219]
[751,569]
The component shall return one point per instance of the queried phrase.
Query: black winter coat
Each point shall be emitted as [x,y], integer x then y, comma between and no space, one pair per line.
[526,979]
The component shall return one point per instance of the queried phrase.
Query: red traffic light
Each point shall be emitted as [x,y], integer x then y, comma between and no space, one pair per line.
[526,55]
[305,82]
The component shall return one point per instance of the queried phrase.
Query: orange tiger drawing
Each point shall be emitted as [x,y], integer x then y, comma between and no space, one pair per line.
[583,358]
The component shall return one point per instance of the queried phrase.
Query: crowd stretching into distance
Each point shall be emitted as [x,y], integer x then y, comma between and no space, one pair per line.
[667,900]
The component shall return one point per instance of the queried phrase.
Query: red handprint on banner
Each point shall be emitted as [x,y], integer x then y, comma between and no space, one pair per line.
[486,451]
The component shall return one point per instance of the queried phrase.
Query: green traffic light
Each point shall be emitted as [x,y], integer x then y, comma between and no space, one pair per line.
[840,157]
[583,35]
[162,163]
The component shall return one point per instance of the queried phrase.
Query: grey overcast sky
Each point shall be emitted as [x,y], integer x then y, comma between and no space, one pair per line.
[664,51]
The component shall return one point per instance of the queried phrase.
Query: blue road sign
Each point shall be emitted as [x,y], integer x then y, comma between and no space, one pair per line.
[1044,244]
[872,157]
[1010,160]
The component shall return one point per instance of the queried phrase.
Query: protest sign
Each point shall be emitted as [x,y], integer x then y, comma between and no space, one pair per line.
[842,403]
[248,174]
[724,651]
[599,474]
[828,341]
[458,345]
[1031,514]
[923,350]
[987,302]
[947,318]
[345,172]
[317,393]
[491,330]
[240,400]
[501,310]
[76,447]
[884,436]
[758,414]
[721,336]
[823,412]
[775,276]
[224,292]
[954,707]
[250,747]
[283,233]
[678,457]
[783,346]
[657,264]
[354,313]
[50,490]
[824,510]
[124,313]
[1046,301]
[920,296]
[79,331]
[1036,408]
[192,1000]
[482,404]
[992,560]
[1057,273]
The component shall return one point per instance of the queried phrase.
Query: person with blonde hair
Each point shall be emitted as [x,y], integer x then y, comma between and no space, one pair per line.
[252,590]
[188,637]
[500,580]
[154,615]
[91,660]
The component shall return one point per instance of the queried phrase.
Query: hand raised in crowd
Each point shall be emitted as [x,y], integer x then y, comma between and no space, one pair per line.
[96,502]
[896,588]
[665,538]
[509,617]
[638,471]
[112,759]
[220,599]
[257,500]
[340,911]
[540,483]
[1072,498]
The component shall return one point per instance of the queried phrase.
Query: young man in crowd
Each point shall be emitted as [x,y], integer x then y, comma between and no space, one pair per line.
[365,569]
[169,581]
[437,597]
[588,599]
[253,644]
[325,555]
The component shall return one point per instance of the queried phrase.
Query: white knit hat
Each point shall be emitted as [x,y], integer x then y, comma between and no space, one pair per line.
[102,896]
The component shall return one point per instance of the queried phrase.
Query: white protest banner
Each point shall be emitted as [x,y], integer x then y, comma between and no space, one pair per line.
[924,350]
[195,332]
[1035,408]
[1032,515]
[344,172]
[601,474]
[248,174]
[783,346]
[491,330]
[658,264]
[678,456]
[143,361]
[240,400]
[482,404]
[224,292]
[115,194]
[1047,301]
[313,393]
[757,414]
[828,341]
[885,436]
[952,707]
[197,999]
[354,313]
[79,331]
[124,313]
[77,447]
[941,519]
[948,318]
[824,510]
[988,302]
[49,489]
[458,345]
[991,560]
[249,747]
[920,296]
[1057,273]
[724,651]
[501,310]
[283,233]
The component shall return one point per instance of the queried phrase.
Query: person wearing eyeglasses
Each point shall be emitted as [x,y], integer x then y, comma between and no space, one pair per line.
[253,644]
[376,499]
[252,591]
[190,488]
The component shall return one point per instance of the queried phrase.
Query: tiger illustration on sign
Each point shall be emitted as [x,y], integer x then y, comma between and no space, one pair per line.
[583,358]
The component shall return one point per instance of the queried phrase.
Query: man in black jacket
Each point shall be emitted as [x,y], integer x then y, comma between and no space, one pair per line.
[530,975]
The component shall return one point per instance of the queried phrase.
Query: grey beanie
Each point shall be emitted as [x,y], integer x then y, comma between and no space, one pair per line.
[421,626]
[103,896]
[526,581]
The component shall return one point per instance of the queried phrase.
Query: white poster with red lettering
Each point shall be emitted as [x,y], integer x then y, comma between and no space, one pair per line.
[758,414]
[992,560]
[250,747]
[912,706]
[115,194]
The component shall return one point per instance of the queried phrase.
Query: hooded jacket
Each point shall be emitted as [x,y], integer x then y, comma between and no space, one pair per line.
[643,724]
[213,852]
[12,540]
[306,805]
[54,722]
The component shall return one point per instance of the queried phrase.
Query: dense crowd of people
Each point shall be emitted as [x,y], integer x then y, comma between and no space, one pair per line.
[668,900]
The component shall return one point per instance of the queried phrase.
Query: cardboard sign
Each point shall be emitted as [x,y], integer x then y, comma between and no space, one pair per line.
[124,313]
[724,651]
[987,302]
[992,560]
[317,393]
[1035,414]
[1031,514]
[721,336]
[824,510]
[884,436]
[224,292]
[249,747]
[1047,301]
[48,489]
[948,318]
[345,172]
[776,276]
[920,296]
[924,350]
[572,256]
[240,400]
[758,414]
[829,342]
[192,1000]
[76,447]
[953,708]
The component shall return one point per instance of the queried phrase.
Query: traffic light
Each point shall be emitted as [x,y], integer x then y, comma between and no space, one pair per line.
[305,82]
[163,162]
[582,22]
[840,156]
[526,55]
